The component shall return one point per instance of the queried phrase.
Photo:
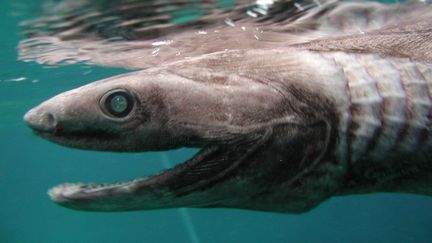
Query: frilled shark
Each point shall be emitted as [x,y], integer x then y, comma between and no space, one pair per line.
[290,103]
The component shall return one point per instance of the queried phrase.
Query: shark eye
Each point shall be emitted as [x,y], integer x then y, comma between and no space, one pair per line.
[117,103]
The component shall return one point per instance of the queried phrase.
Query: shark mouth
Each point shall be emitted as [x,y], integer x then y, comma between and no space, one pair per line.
[203,169]
[212,165]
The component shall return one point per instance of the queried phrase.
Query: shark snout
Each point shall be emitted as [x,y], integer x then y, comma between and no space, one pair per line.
[41,120]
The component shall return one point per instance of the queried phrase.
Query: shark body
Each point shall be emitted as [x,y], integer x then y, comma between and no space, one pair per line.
[335,101]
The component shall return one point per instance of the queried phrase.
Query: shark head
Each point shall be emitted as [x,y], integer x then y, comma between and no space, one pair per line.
[257,140]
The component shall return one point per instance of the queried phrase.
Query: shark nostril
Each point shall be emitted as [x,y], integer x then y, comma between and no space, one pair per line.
[42,121]
[49,123]
[52,123]
[50,120]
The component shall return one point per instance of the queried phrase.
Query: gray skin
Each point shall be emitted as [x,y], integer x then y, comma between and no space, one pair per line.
[280,129]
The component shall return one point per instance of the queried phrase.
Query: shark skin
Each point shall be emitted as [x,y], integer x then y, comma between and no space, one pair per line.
[281,125]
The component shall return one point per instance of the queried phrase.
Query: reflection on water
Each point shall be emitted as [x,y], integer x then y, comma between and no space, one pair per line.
[97,32]
[141,34]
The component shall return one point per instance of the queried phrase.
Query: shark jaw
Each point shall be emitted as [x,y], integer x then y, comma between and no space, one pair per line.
[74,194]
[175,187]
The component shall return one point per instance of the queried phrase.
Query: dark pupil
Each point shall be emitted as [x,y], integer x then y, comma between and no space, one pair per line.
[119,104]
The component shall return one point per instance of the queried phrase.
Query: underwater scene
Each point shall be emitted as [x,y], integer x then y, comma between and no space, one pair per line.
[151,156]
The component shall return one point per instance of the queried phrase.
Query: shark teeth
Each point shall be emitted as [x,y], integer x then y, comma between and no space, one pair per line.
[63,191]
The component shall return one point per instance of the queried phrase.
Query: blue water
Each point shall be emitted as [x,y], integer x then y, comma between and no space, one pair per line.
[30,165]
